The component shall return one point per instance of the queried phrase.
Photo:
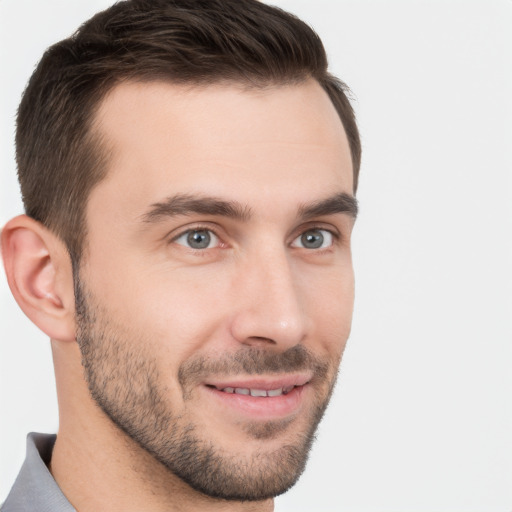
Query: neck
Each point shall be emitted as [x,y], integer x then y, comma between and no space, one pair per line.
[99,467]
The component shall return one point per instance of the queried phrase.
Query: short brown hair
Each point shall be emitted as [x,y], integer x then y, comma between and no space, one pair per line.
[60,158]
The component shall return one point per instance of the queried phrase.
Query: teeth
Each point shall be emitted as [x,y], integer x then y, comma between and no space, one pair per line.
[259,392]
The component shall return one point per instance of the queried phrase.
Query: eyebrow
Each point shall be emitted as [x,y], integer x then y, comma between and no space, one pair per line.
[339,203]
[186,204]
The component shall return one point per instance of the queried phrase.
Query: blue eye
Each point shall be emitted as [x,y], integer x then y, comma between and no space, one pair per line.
[314,239]
[198,239]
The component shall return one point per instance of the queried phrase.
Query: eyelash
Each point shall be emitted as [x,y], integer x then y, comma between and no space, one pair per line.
[198,227]
[314,227]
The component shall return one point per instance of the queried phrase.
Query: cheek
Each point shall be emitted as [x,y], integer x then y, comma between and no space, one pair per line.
[175,310]
[330,306]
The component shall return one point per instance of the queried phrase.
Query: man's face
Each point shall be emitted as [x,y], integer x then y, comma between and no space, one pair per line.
[216,290]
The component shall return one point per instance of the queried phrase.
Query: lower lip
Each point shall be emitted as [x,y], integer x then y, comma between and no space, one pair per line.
[263,408]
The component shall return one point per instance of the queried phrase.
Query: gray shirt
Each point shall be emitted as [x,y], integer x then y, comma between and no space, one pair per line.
[35,489]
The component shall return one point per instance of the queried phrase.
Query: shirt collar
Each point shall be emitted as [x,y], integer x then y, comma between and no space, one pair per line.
[35,488]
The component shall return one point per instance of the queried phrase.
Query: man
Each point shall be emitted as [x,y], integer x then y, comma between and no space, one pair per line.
[188,169]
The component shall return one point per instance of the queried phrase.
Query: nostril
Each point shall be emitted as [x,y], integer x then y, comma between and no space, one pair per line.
[259,341]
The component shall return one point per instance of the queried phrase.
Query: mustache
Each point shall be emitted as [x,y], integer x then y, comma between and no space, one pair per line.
[252,361]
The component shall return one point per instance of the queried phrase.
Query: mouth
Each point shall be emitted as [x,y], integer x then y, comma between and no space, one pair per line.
[261,399]
[262,393]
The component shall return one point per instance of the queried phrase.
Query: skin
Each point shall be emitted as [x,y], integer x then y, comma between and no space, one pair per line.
[164,306]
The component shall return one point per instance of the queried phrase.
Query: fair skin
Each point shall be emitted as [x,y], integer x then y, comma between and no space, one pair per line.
[173,284]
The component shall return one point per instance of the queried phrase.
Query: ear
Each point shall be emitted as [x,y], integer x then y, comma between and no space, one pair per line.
[38,269]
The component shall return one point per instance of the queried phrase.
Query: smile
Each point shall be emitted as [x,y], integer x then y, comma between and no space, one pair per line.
[258,392]
[260,398]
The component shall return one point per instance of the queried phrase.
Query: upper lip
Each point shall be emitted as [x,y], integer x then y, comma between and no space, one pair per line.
[263,383]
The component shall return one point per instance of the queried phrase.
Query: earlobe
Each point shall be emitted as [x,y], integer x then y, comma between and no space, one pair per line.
[39,274]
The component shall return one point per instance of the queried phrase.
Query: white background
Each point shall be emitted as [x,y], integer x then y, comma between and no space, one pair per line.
[422,418]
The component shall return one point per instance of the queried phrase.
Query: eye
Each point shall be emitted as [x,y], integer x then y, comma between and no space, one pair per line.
[314,239]
[198,239]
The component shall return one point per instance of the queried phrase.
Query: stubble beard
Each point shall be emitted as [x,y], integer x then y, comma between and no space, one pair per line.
[125,382]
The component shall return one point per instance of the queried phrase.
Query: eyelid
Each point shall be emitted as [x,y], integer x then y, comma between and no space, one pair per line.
[319,226]
[172,238]
[214,229]
[213,242]
[334,238]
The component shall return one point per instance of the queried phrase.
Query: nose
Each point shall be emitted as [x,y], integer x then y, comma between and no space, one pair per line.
[268,308]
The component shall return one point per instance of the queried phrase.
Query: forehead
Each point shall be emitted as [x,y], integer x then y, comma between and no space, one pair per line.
[222,140]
